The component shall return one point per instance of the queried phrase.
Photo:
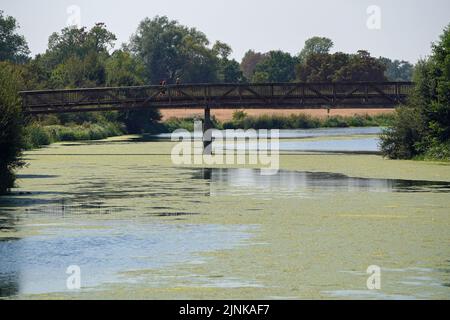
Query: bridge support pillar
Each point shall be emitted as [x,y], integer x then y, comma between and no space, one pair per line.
[207,135]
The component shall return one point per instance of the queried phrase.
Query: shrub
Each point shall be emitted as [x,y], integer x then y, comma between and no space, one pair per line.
[401,140]
[173,124]
[239,115]
[359,121]
[335,122]
[438,151]
[35,136]
[303,121]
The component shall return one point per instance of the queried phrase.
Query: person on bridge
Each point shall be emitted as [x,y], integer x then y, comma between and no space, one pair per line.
[163,87]
[178,82]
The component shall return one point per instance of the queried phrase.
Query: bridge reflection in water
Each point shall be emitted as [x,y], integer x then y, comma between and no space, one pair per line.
[250,182]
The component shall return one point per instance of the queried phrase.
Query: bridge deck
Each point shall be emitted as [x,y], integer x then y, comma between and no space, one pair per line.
[282,95]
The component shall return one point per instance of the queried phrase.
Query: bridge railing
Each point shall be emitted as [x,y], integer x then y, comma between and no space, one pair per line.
[288,95]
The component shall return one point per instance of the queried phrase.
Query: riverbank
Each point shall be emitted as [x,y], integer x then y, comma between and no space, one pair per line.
[37,135]
[242,120]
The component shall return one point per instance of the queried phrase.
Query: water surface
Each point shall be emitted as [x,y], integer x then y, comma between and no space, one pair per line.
[139,227]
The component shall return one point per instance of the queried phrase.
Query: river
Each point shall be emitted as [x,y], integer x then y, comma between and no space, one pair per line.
[139,227]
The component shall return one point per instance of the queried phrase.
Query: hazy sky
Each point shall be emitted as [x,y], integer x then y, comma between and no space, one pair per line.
[406,31]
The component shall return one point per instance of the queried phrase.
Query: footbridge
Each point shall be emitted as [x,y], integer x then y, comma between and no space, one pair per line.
[220,96]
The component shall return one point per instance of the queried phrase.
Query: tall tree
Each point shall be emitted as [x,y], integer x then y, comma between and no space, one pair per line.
[315,45]
[222,50]
[279,66]
[434,94]
[361,67]
[76,57]
[228,70]
[325,67]
[249,62]
[123,69]
[13,47]
[423,125]
[397,70]
[321,67]
[170,51]
[10,124]
[79,42]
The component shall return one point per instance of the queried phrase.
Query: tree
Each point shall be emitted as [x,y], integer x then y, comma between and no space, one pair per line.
[434,95]
[222,50]
[170,51]
[315,45]
[79,42]
[321,67]
[123,69]
[36,74]
[427,132]
[13,47]
[249,62]
[76,57]
[78,72]
[325,67]
[260,77]
[228,70]
[10,125]
[279,66]
[397,70]
[361,67]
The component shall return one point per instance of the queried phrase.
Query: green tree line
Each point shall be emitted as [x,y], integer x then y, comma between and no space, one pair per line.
[315,63]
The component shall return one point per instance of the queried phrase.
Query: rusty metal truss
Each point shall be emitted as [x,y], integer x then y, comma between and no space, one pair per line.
[220,96]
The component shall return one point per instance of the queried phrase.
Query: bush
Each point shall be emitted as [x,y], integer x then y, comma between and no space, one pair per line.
[382,119]
[400,141]
[335,122]
[173,124]
[37,135]
[359,121]
[304,121]
[239,115]
[438,151]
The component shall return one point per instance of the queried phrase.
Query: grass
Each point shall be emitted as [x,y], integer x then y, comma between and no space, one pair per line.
[301,121]
[173,124]
[37,135]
